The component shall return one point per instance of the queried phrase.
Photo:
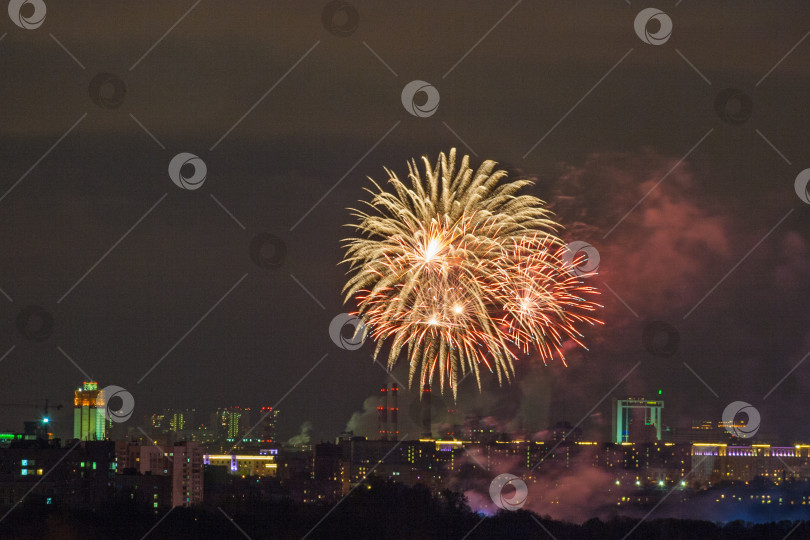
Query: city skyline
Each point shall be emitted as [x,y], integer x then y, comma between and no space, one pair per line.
[420,419]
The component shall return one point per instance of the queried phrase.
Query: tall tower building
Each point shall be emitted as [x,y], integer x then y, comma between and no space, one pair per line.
[89,423]
[187,474]
[266,432]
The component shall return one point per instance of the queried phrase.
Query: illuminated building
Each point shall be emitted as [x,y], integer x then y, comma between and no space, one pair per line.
[177,421]
[266,429]
[187,474]
[636,420]
[182,462]
[145,490]
[36,429]
[76,476]
[563,431]
[7,438]
[244,465]
[707,431]
[88,413]
[233,422]
[158,421]
[718,462]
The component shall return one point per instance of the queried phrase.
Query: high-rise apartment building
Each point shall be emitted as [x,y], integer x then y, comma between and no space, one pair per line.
[89,422]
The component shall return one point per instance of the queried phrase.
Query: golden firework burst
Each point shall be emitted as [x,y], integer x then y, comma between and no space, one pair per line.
[457,270]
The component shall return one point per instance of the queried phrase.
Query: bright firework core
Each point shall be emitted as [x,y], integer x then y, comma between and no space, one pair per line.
[457,271]
[432,249]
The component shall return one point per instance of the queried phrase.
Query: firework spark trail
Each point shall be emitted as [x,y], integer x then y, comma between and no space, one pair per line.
[460,271]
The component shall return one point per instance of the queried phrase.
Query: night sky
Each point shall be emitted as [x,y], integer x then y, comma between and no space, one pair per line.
[687,195]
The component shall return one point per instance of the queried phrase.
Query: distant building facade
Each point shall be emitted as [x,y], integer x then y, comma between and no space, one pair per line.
[182,463]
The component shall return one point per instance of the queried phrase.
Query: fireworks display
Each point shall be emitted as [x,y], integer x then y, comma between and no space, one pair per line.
[457,271]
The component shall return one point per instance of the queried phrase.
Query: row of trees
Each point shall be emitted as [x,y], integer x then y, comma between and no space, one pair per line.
[377,509]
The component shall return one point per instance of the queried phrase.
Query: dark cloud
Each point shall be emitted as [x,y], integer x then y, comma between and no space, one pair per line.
[313,133]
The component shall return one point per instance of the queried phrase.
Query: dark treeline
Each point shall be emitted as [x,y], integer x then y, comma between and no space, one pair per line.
[377,510]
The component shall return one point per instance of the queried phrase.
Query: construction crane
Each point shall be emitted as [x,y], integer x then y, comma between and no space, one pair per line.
[45,409]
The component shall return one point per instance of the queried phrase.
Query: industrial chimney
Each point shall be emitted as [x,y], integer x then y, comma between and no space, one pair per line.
[427,432]
[393,413]
[382,414]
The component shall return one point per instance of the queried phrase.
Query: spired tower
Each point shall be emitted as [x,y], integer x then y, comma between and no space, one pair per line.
[88,413]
